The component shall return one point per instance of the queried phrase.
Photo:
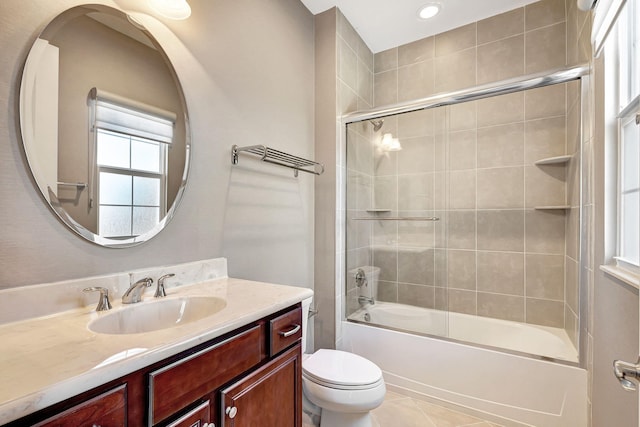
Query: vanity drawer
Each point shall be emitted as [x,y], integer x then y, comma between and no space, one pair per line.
[285,330]
[179,384]
[108,409]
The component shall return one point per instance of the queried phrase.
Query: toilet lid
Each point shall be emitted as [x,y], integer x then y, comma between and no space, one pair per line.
[340,368]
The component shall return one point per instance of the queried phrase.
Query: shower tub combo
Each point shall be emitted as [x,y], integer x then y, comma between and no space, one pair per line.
[525,373]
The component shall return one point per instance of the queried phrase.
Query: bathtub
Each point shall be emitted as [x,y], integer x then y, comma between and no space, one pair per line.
[516,388]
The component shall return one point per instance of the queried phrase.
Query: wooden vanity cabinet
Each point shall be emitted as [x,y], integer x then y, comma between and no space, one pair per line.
[256,369]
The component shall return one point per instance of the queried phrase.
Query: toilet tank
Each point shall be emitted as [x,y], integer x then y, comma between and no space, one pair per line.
[306,304]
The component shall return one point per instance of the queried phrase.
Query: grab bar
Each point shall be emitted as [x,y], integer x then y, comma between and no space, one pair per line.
[78,185]
[398,218]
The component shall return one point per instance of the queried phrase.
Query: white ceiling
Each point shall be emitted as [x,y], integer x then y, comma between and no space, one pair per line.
[384,24]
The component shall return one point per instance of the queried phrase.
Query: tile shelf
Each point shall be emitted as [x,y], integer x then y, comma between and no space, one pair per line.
[378,210]
[559,160]
[552,208]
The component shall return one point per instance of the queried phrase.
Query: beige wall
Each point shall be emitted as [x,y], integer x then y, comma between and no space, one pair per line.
[247,72]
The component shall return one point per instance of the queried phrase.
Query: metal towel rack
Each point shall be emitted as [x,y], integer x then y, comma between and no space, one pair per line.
[78,185]
[280,158]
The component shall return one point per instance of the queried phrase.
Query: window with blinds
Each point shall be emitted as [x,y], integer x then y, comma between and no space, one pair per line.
[130,166]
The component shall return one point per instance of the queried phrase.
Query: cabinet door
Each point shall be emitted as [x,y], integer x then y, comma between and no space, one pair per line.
[271,396]
[106,410]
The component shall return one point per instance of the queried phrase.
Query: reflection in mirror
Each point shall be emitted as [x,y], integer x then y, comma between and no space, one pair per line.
[104,126]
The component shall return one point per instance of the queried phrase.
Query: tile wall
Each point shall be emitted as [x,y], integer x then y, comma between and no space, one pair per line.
[472,166]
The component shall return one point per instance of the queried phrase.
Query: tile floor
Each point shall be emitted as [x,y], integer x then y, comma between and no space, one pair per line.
[401,411]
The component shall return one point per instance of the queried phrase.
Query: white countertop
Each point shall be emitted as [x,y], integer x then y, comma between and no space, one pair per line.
[46,360]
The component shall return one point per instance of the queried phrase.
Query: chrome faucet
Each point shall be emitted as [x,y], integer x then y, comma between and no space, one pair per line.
[134,293]
[160,292]
[362,300]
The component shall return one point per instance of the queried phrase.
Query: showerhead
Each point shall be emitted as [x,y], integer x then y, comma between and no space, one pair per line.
[377,124]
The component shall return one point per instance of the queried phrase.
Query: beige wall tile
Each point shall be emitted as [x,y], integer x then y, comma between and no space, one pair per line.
[501,26]
[461,229]
[500,188]
[544,138]
[417,123]
[385,60]
[415,192]
[462,116]
[500,110]
[501,230]
[365,83]
[416,233]
[545,231]
[455,40]
[498,306]
[385,163]
[348,68]
[417,155]
[546,101]
[461,269]
[346,31]
[365,54]
[461,301]
[501,59]
[455,71]
[462,189]
[544,185]
[545,276]
[347,98]
[387,291]
[416,266]
[415,81]
[571,325]
[573,232]
[387,260]
[545,312]
[416,295]
[385,88]
[385,194]
[571,284]
[416,51]
[500,146]
[501,272]
[462,150]
[545,48]
[543,13]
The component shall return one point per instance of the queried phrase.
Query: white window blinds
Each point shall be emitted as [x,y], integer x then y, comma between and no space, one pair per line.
[118,114]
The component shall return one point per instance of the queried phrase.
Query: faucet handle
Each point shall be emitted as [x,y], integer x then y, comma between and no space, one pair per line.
[103,303]
[160,291]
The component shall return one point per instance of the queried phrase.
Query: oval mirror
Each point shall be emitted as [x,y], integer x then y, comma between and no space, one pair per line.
[104,126]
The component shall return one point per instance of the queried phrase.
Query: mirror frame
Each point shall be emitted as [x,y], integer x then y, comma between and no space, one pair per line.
[51,198]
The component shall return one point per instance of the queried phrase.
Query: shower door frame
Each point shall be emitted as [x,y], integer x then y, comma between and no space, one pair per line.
[503,87]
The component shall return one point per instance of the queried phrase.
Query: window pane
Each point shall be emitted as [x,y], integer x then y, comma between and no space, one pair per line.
[113,149]
[115,189]
[630,246]
[630,156]
[145,155]
[144,219]
[146,191]
[115,221]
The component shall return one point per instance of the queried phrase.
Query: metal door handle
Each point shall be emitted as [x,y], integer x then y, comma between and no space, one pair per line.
[625,372]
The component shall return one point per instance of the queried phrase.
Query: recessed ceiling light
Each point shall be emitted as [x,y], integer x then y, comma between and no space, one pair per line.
[172,9]
[429,10]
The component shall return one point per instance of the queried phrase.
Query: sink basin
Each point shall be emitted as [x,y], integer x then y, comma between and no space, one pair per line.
[155,315]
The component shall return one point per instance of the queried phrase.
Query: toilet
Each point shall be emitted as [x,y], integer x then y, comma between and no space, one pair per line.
[339,387]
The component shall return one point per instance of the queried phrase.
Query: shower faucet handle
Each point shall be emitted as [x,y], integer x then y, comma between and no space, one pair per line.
[361,278]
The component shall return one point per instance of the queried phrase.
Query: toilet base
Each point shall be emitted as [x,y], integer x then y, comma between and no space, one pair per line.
[343,419]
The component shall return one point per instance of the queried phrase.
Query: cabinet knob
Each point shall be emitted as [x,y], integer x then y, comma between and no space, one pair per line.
[231,411]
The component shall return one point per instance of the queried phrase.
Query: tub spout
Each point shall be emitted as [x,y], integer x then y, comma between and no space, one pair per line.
[363,300]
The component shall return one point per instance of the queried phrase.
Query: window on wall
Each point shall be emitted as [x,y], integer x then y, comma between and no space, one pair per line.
[130,168]
[626,70]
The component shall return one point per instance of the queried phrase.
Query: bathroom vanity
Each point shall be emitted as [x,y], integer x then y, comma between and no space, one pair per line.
[239,366]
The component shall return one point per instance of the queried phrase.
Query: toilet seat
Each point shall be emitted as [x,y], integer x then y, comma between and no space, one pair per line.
[341,370]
